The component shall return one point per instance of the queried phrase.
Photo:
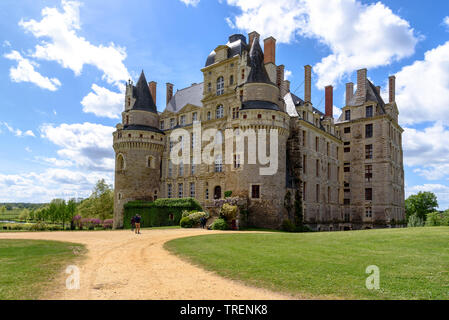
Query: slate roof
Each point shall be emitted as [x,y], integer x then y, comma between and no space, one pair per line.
[142,94]
[141,128]
[371,95]
[258,73]
[190,95]
[292,101]
[237,45]
[256,104]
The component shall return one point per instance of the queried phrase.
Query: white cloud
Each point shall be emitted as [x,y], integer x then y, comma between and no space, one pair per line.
[441,191]
[446,21]
[6,44]
[17,132]
[25,72]
[49,184]
[193,3]
[428,150]
[28,149]
[62,44]
[358,35]
[55,162]
[423,88]
[337,112]
[103,102]
[87,145]
[287,74]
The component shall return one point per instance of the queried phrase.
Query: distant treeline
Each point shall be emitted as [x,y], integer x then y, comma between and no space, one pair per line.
[22,205]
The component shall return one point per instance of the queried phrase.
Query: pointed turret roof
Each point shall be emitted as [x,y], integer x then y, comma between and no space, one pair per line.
[144,100]
[258,73]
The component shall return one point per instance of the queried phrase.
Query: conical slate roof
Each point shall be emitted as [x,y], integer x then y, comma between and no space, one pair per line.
[144,100]
[258,73]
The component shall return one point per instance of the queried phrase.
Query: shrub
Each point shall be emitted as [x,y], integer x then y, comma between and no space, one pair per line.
[414,221]
[220,224]
[186,222]
[40,226]
[288,226]
[433,219]
[229,212]
[228,194]
[107,224]
[196,217]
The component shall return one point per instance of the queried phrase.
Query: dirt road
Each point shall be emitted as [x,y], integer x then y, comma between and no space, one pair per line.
[122,265]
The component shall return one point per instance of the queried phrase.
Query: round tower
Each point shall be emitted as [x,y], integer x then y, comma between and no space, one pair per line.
[138,146]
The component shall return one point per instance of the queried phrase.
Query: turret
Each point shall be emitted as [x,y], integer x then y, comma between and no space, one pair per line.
[138,146]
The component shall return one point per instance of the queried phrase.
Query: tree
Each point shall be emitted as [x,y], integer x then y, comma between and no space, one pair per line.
[100,204]
[2,210]
[71,209]
[421,204]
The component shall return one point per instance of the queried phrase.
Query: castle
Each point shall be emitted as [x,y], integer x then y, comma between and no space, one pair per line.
[348,172]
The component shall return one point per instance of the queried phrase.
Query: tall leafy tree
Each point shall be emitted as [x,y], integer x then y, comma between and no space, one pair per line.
[421,204]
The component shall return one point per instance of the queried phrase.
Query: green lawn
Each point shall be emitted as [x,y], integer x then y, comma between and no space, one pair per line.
[413,263]
[27,267]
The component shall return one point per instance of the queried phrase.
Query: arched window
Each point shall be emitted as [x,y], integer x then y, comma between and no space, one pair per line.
[217,192]
[150,162]
[120,162]
[219,163]
[219,112]
[220,86]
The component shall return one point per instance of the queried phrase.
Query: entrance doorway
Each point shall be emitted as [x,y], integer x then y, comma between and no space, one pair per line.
[217,192]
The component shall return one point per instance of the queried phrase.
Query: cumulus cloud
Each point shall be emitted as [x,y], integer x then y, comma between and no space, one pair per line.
[17,132]
[358,35]
[49,184]
[428,150]
[337,112]
[193,3]
[62,44]
[446,21]
[25,72]
[423,88]
[287,74]
[103,102]
[87,145]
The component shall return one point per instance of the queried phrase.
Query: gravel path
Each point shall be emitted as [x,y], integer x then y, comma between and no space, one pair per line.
[123,265]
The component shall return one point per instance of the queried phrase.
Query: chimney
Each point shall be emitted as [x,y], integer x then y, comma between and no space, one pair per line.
[361,86]
[152,85]
[280,70]
[287,85]
[378,88]
[308,84]
[269,50]
[169,91]
[349,92]
[251,37]
[329,91]
[392,89]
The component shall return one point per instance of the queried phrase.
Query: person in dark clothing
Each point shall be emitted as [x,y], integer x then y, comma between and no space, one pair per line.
[133,222]
[137,220]
[203,221]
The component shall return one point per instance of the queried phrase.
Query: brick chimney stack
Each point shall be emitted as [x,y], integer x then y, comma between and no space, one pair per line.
[287,85]
[392,89]
[270,50]
[152,85]
[329,109]
[308,83]
[361,86]
[251,37]
[349,92]
[169,91]
[280,74]
[378,88]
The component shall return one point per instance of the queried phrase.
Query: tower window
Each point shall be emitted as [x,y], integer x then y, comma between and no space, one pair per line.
[169,191]
[369,131]
[243,74]
[369,111]
[368,173]
[255,191]
[220,86]
[369,151]
[121,162]
[209,87]
[150,162]
[348,115]
[219,112]
[180,190]
[218,163]
[368,194]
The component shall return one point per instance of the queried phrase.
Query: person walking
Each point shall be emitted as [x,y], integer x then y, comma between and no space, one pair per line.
[133,223]
[137,220]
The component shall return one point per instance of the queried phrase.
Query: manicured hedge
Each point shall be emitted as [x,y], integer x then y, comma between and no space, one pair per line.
[157,213]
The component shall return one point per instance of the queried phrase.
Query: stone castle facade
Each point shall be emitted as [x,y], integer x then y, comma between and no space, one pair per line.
[348,172]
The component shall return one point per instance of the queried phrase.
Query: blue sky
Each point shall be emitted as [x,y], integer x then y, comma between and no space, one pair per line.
[63,65]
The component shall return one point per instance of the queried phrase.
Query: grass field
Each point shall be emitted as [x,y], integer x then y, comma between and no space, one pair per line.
[28,266]
[413,263]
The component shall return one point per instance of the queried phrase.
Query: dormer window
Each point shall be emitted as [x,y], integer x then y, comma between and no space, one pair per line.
[183,120]
[348,115]
[220,86]
[369,111]
[172,123]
